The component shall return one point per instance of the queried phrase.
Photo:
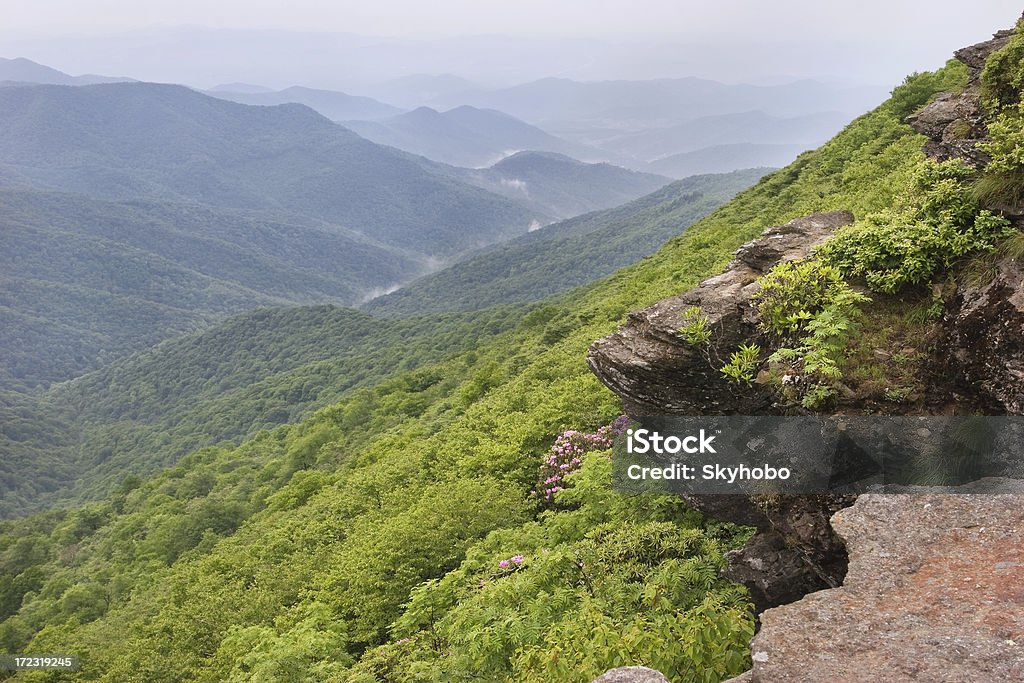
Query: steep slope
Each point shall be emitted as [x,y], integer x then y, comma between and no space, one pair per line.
[337,106]
[79,439]
[88,281]
[140,140]
[465,136]
[567,254]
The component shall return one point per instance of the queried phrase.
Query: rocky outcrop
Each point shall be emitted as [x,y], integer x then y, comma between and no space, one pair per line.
[954,123]
[984,339]
[922,586]
[934,592]
[650,365]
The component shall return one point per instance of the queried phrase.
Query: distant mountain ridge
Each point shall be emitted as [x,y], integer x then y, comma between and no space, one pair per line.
[466,136]
[725,129]
[335,105]
[723,158]
[136,211]
[169,143]
[22,70]
[552,100]
[562,186]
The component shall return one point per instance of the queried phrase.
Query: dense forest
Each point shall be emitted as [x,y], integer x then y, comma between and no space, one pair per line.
[404,532]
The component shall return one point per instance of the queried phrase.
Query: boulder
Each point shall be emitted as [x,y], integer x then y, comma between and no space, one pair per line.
[954,123]
[934,592]
[651,366]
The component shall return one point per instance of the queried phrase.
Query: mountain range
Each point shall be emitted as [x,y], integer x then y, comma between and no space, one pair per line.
[628,123]
[337,106]
[562,186]
[466,136]
[20,70]
[724,158]
[135,212]
[166,142]
[551,102]
[752,127]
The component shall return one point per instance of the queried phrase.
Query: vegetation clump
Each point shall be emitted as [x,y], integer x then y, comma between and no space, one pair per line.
[742,364]
[696,328]
[933,224]
[1001,81]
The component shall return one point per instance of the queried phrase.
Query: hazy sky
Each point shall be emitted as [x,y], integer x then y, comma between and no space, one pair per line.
[942,18]
[869,41]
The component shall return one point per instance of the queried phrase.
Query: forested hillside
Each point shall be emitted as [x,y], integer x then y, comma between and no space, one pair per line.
[87,281]
[567,254]
[79,440]
[454,522]
[166,142]
[136,212]
[563,186]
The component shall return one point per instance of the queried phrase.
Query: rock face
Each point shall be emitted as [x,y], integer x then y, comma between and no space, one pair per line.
[934,592]
[656,372]
[794,552]
[984,338]
[651,366]
[955,123]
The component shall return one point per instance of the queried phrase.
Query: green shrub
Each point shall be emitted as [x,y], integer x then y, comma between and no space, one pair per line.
[934,223]
[1001,83]
[918,88]
[1003,76]
[695,329]
[793,292]
[742,364]
[819,353]
[810,297]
